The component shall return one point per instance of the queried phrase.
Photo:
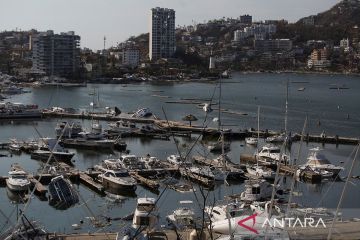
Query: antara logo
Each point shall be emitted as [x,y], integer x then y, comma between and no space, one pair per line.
[253,218]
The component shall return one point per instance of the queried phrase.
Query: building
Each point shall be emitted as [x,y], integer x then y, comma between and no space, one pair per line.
[131,57]
[246,19]
[258,31]
[162,33]
[345,45]
[55,54]
[273,45]
[319,59]
[309,21]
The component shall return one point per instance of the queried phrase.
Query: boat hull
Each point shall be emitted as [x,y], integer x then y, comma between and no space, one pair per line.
[108,184]
[17,188]
[66,158]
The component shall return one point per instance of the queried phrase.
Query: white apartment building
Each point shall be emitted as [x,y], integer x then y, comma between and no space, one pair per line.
[162,33]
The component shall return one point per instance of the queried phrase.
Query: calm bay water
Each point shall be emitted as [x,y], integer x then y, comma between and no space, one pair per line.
[336,110]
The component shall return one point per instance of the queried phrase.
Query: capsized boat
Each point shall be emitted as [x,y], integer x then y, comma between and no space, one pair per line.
[62,194]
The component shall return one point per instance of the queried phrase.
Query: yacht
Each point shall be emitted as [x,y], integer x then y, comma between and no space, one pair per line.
[122,127]
[100,144]
[151,162]
[211,173]
[108,164]
[146,214]
[94,134]
[118,179]
[261,171]
[318,162]
[251,141]
[271,153]
[256,190]
[178,161]
[68,130]
[142,113]
[49,147]
[218,146]
[62,194]
[131,162]
[18,181]
[18,110]
[223,211]
[276,139]
[182,217]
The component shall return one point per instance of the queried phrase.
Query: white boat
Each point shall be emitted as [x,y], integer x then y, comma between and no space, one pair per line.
[100,144]
[17,181]
[151,162]
[218,146]
[276,139]
[260,171]
[49,147]
[122,127]
[272,153]
[142,113]
[178,161]
[108,164]
[146,214]
[251,141]
[211,173]
[131,162]
[67,130]
[318,162]
[256,190]
[182,217]
[118,179]
[223,211]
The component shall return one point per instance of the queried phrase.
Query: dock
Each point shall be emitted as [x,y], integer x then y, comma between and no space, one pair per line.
[89,182]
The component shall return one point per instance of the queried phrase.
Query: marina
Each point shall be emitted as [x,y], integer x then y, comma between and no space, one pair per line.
[155,139]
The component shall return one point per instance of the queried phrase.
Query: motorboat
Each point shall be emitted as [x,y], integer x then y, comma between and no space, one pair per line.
[224,211]
[318,162]
[271,153]
[18,181]
[99,144]
[122,127]
[49,147]
[94,134]
[261,172]
[251,141]
[68,130]
[276,139]
[151,162]
[142,113]
[218,146]
[108,164]
[118,179]
[256,190]
[11,110]
[211,173]
[62,194]
[178,161]
[131,162]
[146,214]
[182,217]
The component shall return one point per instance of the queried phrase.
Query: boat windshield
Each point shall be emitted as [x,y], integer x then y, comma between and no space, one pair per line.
[18,176]
[122,174]
[319,162]
[275,151]
[145,207]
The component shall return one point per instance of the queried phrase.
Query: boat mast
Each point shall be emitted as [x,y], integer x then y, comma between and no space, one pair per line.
[343,193]
[286,105]
[258,134]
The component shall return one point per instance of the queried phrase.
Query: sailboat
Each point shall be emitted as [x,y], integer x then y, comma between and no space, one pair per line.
[257,170]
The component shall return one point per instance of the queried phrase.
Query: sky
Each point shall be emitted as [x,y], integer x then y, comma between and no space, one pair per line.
[120,19]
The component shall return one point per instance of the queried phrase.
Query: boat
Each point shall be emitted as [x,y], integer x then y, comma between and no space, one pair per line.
[217,147]
[211,173]
[68,130]
[12,90]
[108,164]
[270,153]
[118,179]
[122,127]
[178,161]
[151,162]
[49,147]
[256,190]
[62,194]
[131,162]
[301,89]
[276,138]
[251,141]
[100,144]
[17,180]
[318,162]
[10,110]
[222,211]
[261,171]
[94,134]
[142,113]
[183,217]
[146,214]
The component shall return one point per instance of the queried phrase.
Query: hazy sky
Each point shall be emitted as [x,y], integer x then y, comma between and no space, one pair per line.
[119,19]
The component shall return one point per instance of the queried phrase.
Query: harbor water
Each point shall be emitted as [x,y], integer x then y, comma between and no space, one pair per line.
[331,103]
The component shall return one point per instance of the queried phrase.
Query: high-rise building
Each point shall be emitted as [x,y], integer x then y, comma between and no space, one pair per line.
[162,33]
[56,54]
[247,19]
